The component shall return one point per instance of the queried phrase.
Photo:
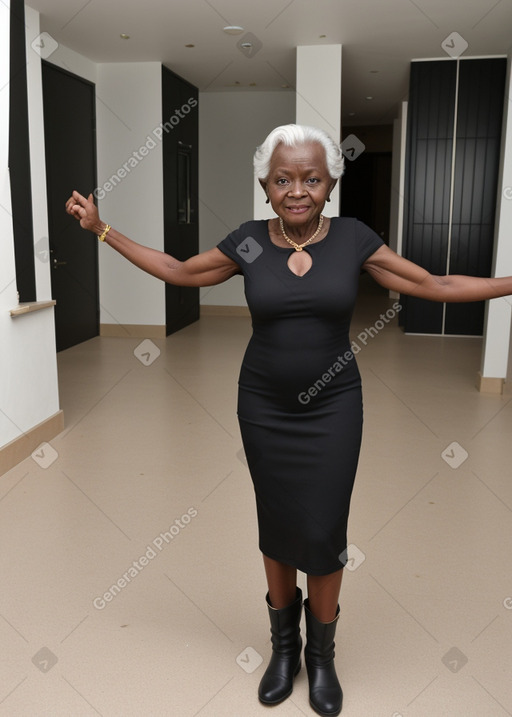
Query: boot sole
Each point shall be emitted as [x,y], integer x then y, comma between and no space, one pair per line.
[324,714]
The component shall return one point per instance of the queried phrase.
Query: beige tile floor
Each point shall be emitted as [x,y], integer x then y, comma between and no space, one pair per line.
[148,480]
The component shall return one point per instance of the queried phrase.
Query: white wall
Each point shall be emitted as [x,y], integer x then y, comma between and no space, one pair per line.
[28,366]
[498,311]
[396,218]
[231,126]
[128,109]
[398,179]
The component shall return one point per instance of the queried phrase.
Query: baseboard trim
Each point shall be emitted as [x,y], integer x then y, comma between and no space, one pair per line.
[133,331]
[489,384]
[20,448]
[211,310]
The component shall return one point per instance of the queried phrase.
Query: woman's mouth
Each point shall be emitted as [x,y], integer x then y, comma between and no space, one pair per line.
[298,209]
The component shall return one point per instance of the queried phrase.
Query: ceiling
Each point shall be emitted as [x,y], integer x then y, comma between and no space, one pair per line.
[379,39]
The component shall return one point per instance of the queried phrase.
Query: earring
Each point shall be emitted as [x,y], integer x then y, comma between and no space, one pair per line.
[268,200]
[328,199]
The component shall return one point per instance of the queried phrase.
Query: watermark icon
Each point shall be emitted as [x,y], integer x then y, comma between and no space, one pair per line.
[507,192]
[454,455]
[507,603]
[42,250]
[352,557]
[454,45]
[352,147]
[44,660]
[340,362]
[45,45]
[160,542]
[143,151]
[249,660]
[249,45]
[45,455]
[249,249]
[454,659]
[147,352]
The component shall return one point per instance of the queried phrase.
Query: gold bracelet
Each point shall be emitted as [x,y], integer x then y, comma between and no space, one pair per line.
[102,236]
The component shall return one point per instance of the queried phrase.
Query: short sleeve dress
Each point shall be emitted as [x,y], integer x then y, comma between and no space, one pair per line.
[299,400]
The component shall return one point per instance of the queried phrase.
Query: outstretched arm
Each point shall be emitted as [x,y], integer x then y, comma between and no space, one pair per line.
[401,275]
[205,269]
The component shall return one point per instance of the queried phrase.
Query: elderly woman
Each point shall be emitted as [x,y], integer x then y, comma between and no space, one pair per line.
[300,406]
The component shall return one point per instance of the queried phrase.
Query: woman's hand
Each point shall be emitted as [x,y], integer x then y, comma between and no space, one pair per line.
[85,211]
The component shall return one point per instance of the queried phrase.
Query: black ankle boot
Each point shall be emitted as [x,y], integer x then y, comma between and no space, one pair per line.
[325,695]
[277,682]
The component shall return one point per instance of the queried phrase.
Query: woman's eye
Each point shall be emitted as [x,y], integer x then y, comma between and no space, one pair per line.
[282,181]
[313,180]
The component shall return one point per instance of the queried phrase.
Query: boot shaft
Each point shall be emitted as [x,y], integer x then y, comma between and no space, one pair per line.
[320,637]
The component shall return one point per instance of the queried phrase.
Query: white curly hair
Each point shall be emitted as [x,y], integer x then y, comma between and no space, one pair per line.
[294,135]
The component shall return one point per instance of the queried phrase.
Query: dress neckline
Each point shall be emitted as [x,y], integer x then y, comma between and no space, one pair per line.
[290,248]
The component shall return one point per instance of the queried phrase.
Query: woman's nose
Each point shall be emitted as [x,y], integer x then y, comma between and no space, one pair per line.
[296,189]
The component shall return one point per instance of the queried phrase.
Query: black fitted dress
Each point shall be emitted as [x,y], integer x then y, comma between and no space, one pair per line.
[299,402]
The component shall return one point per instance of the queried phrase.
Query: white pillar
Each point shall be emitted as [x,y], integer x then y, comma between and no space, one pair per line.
[396,221]
[498,312]
[318,96]
[318,103]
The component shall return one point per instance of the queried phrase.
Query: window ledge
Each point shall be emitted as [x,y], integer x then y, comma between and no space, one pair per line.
[30,306]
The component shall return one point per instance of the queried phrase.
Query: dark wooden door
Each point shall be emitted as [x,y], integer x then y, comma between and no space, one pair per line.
[70,146]
[477,158]
[450,196]
[428,183]
[180,172]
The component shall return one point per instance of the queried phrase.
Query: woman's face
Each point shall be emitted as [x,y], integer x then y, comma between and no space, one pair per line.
[298,183]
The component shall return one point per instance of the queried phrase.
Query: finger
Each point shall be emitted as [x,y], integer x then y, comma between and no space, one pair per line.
[71,206]
[79,199]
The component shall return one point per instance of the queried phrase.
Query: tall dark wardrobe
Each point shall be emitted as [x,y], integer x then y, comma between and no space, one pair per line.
[452,165]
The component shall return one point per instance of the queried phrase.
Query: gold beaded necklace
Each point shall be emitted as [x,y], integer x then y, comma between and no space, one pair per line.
[300,247]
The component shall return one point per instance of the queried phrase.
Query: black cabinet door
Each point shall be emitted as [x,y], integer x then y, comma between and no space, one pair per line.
[477,157]
[427,181]
[451,195]
[180,172]
[70,147]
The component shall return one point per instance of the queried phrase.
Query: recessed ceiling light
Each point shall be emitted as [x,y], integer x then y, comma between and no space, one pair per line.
[369,97]
[189,45]
[374,72]
[124,36]
[322,36]
[351,114]
[233,29]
